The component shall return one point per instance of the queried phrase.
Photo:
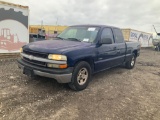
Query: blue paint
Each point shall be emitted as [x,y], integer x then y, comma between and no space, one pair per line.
[100,56]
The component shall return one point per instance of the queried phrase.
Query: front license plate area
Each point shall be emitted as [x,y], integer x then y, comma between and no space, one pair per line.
[28,72]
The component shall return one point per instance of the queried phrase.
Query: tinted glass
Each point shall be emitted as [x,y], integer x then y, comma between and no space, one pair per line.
[107,33]
[84,34]
[118,36]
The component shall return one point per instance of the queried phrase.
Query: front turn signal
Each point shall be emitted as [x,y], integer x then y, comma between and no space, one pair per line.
[21,50]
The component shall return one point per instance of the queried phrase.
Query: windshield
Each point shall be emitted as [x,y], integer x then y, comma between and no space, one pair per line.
[85,34]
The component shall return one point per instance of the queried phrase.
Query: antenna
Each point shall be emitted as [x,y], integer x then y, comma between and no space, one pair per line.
[42,24]
[56,24]
[57,21]
[154,29]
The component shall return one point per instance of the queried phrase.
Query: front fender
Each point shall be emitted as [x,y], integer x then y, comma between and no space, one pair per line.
[81,54]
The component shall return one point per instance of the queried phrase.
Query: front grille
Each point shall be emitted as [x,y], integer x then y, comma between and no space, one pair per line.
[36,54]
[34,62]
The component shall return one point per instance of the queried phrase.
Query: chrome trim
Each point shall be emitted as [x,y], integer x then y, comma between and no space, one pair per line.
[61,78]
[31,57]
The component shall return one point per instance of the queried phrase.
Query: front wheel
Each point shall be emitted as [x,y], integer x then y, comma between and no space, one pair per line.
[131,63]
[81,76]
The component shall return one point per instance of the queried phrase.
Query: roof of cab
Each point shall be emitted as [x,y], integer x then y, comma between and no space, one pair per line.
[93,25]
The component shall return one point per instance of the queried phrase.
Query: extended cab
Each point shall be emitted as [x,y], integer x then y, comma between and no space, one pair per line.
[77,53]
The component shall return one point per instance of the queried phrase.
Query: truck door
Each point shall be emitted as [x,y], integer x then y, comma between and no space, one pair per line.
[106,52]
[120,46]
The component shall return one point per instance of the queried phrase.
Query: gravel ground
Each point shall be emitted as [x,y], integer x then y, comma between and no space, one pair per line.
[114,94]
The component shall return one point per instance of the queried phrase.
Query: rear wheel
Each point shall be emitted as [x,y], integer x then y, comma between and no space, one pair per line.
[131,63]
[81,76]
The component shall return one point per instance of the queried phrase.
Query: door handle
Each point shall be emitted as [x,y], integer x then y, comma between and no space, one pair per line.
[118,50]
[114,48]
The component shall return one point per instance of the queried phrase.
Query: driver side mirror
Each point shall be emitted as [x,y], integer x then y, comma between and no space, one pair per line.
[106,41]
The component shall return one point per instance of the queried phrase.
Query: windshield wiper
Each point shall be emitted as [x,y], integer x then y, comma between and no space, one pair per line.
[75,39]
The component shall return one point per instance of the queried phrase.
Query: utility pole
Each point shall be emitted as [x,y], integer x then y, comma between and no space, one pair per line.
[56,24]
[42,24]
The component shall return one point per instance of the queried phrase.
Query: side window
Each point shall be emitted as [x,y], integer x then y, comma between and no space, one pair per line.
[118,35]
[107,33]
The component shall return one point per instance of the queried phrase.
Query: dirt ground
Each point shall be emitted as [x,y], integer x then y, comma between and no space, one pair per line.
[115,94]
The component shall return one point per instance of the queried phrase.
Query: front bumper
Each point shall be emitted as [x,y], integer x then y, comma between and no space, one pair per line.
[61,75]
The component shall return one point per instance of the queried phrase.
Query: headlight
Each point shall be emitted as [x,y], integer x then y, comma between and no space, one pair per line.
[57,57]
[21,50]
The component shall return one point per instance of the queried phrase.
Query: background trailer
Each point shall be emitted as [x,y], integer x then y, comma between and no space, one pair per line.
[14,31]
[134,35]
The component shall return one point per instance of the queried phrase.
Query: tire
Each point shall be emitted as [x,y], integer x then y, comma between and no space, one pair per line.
[131,63]
[81,76]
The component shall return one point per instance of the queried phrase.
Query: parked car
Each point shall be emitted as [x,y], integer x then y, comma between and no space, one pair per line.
[77,53]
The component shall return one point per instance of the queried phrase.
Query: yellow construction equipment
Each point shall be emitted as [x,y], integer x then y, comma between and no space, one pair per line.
[48,28]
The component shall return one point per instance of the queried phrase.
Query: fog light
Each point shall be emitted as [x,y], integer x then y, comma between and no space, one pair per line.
[50,65]
[53,65]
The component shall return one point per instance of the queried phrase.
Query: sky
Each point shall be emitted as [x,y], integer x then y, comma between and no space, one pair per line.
[135,14]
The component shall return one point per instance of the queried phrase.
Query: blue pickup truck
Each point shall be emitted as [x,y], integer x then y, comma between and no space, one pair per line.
[77,53]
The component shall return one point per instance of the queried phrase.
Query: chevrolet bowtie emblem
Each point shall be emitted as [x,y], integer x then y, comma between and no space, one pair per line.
[31,57]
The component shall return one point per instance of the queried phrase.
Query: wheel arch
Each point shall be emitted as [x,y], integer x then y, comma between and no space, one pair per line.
[88,60]
[135,52]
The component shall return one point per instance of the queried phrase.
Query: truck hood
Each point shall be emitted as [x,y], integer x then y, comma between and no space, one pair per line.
[55,46]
